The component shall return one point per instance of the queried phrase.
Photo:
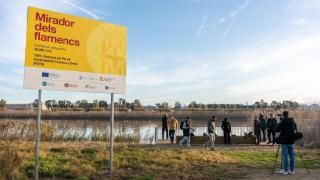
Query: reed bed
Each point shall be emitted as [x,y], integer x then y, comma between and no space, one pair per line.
[26,130]
[308,122]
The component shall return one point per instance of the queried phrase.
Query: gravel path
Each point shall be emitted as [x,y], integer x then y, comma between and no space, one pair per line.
[301,174]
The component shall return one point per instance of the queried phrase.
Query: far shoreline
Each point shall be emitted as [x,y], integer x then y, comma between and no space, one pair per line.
[119,115]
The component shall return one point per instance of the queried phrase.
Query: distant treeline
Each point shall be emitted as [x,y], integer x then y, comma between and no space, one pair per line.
[134,115]
[136,105]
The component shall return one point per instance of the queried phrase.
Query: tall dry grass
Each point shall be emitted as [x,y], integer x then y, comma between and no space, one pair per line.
[26,130]
[308,122]
[10,161]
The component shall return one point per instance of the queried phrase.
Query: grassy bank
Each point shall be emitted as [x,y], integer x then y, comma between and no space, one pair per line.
[89,161]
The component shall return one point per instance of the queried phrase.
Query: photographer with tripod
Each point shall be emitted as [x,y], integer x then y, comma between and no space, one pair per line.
[287,128]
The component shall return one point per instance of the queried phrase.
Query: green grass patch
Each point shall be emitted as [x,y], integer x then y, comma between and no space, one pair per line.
[83,161]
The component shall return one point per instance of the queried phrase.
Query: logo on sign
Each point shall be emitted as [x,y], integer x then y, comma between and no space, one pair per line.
[67,85]
[45,74]
[51,75]
[45,83]
[89,86]
[105,79]
[88,78]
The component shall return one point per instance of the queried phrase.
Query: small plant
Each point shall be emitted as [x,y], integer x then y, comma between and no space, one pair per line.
[89,152]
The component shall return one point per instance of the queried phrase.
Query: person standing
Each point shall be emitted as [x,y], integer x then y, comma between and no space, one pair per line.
[271,125]
[211,133]
[287,128]
[226,128]
[263,126]
[164,120]
[173,126]
[257,131]
[186,132]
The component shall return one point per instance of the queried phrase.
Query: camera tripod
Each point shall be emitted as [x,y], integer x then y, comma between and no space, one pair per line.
[276,160]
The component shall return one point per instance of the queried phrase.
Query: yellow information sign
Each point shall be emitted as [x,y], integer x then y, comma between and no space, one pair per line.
[70,53]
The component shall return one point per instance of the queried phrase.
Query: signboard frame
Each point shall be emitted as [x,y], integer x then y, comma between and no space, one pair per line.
[44,71]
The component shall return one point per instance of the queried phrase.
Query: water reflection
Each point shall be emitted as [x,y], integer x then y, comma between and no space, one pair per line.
[147,130]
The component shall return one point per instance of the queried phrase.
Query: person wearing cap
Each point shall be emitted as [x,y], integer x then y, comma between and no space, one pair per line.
[271,125]
[211,133]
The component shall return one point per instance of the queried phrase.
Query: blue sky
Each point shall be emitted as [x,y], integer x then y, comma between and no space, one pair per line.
[210,51]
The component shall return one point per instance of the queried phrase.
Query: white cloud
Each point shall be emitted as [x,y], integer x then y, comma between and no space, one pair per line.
[290,69]
[198,1]
[283,51]
[233,13]
[86,11]
[301,22]
[200,29]
[222,20]
[226,32]
[193,70]
[302,4]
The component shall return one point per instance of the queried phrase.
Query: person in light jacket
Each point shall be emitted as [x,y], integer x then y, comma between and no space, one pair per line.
[211,133]
[173,126]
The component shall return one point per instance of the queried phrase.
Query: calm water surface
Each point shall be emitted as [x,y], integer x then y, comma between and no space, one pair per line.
[146,129]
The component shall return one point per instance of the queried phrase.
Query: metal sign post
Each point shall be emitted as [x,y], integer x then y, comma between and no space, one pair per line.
[38,135]
[111,133]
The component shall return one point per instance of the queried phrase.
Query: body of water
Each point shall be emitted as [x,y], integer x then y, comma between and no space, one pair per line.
[146,130]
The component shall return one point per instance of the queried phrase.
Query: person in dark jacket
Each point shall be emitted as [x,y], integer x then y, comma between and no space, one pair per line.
[164,120]
[287,128]
[186,132]
[257,131]
[226,128]
[271,125]
[263,126]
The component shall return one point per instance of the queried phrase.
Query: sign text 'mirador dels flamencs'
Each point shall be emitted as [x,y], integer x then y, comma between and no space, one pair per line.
[69,53]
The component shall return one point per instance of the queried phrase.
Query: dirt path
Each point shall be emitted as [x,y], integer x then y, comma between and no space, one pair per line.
[301,174]
[262,146]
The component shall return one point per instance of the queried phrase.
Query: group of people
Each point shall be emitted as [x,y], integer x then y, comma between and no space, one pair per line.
[226,128]
[265,126]
[262,125]
[286,128]
[170,127]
